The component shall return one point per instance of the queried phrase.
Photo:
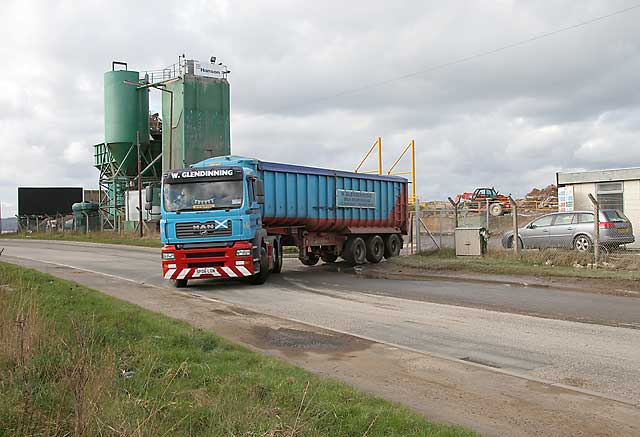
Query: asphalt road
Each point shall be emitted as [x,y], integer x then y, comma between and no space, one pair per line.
[485,324]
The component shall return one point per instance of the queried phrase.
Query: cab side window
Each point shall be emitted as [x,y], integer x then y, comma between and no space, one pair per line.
[251,186]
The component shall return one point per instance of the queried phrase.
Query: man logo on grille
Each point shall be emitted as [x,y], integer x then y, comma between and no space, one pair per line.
[203,227]
[216,225]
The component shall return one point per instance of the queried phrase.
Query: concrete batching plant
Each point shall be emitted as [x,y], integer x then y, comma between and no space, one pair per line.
[195,125]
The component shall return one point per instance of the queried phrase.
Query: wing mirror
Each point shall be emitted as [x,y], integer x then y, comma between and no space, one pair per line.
[260,192]
[531,226]
[148,198]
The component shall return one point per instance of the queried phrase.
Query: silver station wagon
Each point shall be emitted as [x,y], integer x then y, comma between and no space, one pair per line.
[573,230]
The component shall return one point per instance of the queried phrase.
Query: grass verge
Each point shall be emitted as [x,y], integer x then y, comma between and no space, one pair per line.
[152,240]
[74,361]
[549,263]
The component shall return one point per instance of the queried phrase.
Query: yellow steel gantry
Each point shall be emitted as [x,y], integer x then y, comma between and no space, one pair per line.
[379,171]
[412,146]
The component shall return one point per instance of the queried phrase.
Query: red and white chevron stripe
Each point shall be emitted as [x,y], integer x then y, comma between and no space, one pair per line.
[208,272]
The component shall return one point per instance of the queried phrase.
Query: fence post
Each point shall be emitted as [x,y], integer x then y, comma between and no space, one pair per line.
[411,221]
[418,242]
[455,218]
[516,238]
[487,215]
[596,230]
[141,233]
[455,212]
[440,213]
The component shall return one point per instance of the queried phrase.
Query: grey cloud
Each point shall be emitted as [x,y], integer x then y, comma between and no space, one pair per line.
[511,119]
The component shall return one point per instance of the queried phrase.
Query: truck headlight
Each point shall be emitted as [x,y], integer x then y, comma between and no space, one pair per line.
[243,252]
[168,256]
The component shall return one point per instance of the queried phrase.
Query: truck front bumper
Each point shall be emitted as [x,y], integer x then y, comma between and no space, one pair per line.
[207,262]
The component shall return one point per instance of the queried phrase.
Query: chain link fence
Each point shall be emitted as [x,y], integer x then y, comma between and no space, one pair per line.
[567,238]
[58,224]
[438,224]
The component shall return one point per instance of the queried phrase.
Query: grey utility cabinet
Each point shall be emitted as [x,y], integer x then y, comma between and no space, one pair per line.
[470,242]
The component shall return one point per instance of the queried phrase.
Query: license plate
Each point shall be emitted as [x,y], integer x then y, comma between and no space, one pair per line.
[623,230]
[206,271]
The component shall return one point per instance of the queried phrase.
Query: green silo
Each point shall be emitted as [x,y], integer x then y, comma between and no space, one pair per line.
[201,126]
[126,112]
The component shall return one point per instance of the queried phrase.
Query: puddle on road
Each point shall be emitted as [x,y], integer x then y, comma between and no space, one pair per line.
[294,340]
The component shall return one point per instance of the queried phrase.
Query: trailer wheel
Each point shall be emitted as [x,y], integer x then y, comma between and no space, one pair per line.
[310,260]
[355,251]
[392,246]
[496,209]
[261,277]
[180,283]
[329,258]
[375,249]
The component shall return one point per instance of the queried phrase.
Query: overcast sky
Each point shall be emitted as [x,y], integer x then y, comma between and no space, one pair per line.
[511,119]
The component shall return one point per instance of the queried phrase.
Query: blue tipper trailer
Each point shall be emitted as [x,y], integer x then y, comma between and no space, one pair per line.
[230,216]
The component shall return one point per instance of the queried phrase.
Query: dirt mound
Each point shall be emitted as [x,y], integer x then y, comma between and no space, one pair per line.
[550,191]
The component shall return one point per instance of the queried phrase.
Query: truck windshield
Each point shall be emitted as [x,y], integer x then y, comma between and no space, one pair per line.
[200,196]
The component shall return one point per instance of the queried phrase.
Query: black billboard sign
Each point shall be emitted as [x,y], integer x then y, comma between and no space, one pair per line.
[47,201]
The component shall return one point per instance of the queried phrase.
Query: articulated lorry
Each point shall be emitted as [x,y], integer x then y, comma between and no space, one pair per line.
[230,217]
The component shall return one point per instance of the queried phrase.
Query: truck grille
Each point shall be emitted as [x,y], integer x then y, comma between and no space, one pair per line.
[203,255]
[216,228]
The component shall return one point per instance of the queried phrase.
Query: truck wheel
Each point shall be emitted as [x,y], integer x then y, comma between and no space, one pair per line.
[329,258]
[375,249]
[261,278]
[392,246]
[310,260]
[496,209]
[277,258]
[355,251]
[180,283]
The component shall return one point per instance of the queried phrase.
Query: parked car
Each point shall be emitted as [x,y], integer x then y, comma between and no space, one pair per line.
[573,230]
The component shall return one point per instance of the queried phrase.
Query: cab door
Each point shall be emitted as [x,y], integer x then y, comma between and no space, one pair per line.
[253,211]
